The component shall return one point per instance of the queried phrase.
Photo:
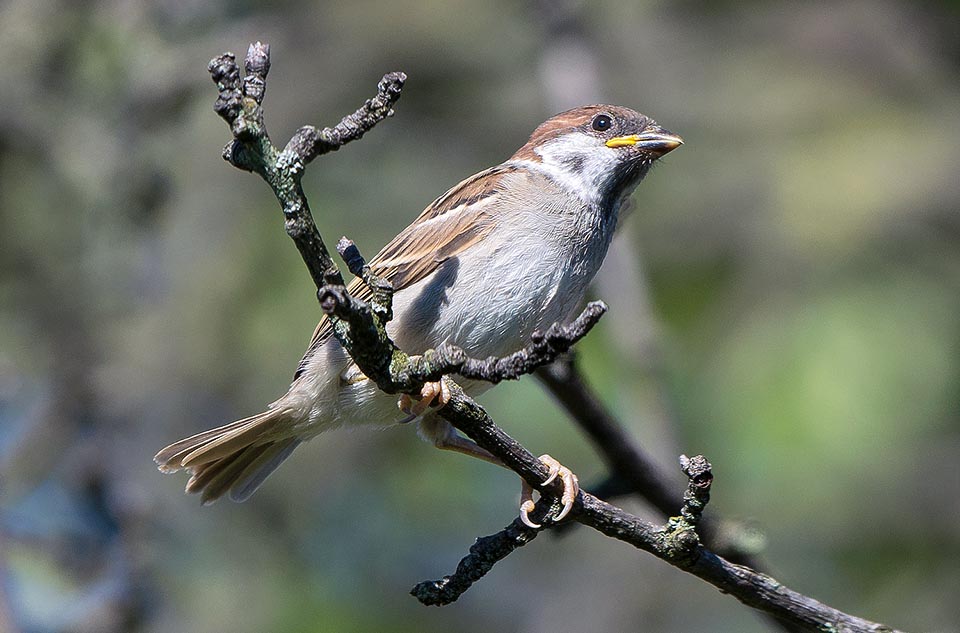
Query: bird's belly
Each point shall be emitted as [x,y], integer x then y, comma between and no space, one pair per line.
[490,307]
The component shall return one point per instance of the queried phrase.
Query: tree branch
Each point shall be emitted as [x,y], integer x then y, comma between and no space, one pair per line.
[484,554]
[632,470]
[361,329]
[239,104]
[676,543]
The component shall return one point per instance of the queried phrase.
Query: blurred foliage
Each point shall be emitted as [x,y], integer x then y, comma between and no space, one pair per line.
[785,297]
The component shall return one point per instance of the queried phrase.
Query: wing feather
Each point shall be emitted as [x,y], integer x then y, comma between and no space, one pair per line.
[449,225]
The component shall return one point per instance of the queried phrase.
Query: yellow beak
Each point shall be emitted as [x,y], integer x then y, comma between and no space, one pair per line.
[656,141]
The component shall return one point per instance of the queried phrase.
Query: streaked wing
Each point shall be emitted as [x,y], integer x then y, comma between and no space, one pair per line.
[451,224]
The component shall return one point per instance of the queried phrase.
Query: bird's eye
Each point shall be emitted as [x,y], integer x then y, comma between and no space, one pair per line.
[602,122]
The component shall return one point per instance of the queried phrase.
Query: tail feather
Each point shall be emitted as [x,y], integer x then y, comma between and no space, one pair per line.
[213,479]
[170,459]
[233,440]
[236,457]
[250,479]
[203,475]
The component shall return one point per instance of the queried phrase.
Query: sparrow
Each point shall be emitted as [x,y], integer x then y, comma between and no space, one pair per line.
[507,251]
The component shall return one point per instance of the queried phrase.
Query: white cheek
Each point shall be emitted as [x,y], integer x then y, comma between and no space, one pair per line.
[579,163]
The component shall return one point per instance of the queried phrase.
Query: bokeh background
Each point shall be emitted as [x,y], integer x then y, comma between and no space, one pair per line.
[785,299]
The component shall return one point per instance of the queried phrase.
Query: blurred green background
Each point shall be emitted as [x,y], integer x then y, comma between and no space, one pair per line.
[785,299]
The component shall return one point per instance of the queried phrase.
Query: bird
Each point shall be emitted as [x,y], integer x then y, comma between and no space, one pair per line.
[504,253]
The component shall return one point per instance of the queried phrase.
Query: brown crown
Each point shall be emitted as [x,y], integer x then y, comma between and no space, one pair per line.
[579,118]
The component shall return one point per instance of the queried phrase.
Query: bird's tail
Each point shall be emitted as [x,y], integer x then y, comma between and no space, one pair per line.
[234,458]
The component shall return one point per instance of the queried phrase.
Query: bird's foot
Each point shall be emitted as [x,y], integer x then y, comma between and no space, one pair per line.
[571,488]
[431,393]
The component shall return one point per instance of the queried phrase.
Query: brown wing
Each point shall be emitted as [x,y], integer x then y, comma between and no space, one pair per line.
[452,223]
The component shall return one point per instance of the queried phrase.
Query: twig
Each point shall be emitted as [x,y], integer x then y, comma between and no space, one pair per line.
[239,104]
[699,479]
[484,554]
[362,331]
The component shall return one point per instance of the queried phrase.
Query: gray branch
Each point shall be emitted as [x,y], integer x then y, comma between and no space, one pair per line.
[361,329]
[632,470]
[239,104]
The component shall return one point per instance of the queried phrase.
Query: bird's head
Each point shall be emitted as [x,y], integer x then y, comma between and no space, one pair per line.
[601,152]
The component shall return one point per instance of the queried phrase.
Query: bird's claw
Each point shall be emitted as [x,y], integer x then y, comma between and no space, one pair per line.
[431,392]
[571,488]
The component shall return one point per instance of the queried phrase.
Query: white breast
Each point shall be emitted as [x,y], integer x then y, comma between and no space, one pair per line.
[530,271]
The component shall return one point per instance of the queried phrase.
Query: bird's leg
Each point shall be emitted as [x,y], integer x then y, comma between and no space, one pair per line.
[441,433]
[444,436]
[437,391]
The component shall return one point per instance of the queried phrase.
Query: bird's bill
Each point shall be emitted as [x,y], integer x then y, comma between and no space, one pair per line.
[654,141]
